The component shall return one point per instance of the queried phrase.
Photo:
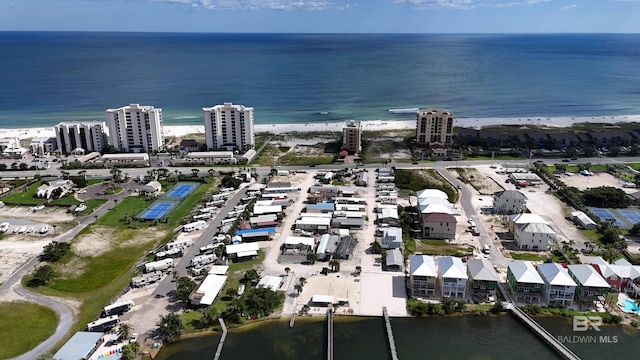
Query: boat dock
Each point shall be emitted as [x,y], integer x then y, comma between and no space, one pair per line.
[551,340]
[329,334]
[292,320]
[392,342]
[222,338]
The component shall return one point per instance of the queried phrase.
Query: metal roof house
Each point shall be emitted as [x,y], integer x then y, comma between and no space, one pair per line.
[391,238]
[453,277]
[525,282]
[208,290]
[423,276]
[591,285]
[535,236]
[438,225]
[559,288]
[81,345]
[509,202]
[394,261]
[432,193]
[582,220]
[483,280]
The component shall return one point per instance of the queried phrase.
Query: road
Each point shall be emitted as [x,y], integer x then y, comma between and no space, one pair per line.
[65,314]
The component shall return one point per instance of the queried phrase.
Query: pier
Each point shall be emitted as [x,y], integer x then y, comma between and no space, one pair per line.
[222,338]
[329,334]
[292,320]
[551,340]
[392,342]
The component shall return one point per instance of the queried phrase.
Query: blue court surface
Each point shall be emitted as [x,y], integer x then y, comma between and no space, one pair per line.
[157,211]
[181,190]
[632,216]
[605,214]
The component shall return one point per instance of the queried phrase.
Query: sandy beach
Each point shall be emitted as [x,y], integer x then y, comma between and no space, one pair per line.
[372,125]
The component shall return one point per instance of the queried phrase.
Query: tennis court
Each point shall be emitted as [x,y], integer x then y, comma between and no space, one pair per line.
[606,214]
[181,190]
[632,216]
[157,211]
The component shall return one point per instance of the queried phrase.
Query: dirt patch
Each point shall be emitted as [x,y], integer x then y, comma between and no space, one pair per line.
[482,184]
[146,234]
[96,242]
[72,269]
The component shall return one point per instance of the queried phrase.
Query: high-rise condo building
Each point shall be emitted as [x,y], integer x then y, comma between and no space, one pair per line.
[89,136]
[135,128]
[434,128]
[228,126]
[352,137]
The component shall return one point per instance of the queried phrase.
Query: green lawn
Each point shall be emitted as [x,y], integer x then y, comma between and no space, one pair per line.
[23,326]
[26,198]
[499,157]
[235,274]
[527,256]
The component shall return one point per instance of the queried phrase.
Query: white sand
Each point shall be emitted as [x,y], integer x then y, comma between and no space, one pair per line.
[182,130]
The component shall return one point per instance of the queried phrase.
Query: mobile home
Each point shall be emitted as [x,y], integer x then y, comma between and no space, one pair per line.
[194,226]
[103,324]
[118,308]
[158,265]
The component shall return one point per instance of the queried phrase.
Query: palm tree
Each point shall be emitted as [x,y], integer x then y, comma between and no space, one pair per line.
[302,281]
[211,172]
[335,265]
[311,258]
[298,288]
[287,270]
[83,173]
[195,172]
[209,315]
[124,331]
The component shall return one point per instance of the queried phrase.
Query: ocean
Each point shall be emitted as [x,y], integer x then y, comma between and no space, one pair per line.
[48,77]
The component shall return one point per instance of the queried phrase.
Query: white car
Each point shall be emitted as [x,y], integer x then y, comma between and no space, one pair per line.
[44,229]
[30,230]
[21,229]
[4,227]
[134,338]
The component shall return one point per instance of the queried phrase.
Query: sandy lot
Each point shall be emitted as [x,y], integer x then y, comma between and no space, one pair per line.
[598,179]
[17,249]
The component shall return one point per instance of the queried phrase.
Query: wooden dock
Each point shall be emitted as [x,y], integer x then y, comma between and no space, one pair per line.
[551,340]
[392,342]
[292,320]
[222,338]
[329,334]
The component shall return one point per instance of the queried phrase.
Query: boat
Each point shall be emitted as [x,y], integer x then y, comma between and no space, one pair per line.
[21,229]
[403,111]
[37,208]
[240,290]
[44,229]
[81,207]
[4,227]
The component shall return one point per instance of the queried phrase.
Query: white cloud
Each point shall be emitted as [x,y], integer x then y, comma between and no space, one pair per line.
[569,7]
[262,4]
[466,4]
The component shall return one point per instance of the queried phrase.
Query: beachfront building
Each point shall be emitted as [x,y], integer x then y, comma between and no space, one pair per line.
[453,277]
[483,280]
[509,202]
[558,288]
[88,136]
[229,127]
[525,282]
[352,137]
[135,128]
[438,225]
[434,129]
[422,275]
[43,145]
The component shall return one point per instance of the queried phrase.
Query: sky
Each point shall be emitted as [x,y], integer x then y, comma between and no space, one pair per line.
[323,16]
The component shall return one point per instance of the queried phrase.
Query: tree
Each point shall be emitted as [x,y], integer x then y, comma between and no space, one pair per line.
[635,229]
[195,172]
[312,257]
[251,276]
[376,248]
[606,196]
[124,331]
[54,251]
[184,288]
[209,316]
[287,270]
[302,281]
[298,288]
[335,265]
[231,293]
[262,300]
[211,172]
[41,276]
[170,327]
[129,351]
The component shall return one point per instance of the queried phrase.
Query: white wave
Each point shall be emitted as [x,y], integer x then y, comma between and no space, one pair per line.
[186,117]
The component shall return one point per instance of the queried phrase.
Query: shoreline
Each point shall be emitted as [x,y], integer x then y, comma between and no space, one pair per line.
[367,125]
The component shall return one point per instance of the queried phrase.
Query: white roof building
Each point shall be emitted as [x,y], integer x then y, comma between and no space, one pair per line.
[587,276]
[89,136]
[452,268]
[435,208]
[555,274]
[270,282]
[427,193]
[229,126]
[264,209]
[241,250]
[422,265]
[208,290]
[524,272]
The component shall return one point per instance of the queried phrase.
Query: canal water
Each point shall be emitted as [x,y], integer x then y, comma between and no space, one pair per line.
[459,337]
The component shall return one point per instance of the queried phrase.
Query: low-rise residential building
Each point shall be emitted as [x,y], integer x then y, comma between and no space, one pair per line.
[393,261]
[438,226]
[509,202]
[316,224]
[535,236]
[453,277]
[525,282]
[620,275]
[582,220]
[422,276]
[483,280]
[43,145]
[391,238]
[558,288]
[517,220]
[591,285]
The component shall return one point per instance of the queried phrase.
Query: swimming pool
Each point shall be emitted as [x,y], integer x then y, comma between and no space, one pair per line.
[630,306]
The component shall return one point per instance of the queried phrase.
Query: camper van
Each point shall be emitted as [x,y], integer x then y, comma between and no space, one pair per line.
[173,253]
[103,324]
[118,308]
[158,265]
[201,260]
[146,279]
[179,244]
[194,226]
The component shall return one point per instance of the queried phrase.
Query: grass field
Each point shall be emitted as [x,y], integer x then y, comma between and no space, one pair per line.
[26,198]
[24,325]
[527,256]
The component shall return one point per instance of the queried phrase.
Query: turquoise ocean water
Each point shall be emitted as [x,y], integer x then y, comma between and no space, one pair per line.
[47,77]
